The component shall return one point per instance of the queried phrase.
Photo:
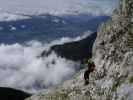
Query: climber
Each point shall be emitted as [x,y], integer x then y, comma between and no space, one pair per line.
[90,68]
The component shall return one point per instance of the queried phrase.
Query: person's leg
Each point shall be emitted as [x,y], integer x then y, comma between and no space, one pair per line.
[86,77]
[86,82]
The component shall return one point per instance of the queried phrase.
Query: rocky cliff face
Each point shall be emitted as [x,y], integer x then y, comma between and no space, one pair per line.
[113,56]
[113,53]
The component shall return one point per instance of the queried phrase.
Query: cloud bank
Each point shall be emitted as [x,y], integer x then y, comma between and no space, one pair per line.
[21,68]
[6,16]
[58,6]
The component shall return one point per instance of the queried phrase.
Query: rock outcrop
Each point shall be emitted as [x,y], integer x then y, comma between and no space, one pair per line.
[113,56]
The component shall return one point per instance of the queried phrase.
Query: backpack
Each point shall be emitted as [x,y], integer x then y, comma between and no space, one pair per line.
[92,67]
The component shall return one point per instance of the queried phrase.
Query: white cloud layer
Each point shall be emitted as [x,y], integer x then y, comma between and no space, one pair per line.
[5,16]
[57,6]
[21,68]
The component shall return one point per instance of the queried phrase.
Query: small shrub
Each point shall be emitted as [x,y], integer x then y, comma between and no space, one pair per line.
[115,85]
[131,79]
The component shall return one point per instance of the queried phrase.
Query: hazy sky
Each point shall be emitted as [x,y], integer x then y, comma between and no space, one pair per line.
[57,6]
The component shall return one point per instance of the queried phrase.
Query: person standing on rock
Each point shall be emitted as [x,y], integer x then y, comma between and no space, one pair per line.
[90,68]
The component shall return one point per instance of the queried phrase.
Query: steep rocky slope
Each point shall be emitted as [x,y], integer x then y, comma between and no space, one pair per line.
[113,56]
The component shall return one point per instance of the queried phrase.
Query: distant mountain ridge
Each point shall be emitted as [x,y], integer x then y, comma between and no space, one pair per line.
[77,51]
[12,94]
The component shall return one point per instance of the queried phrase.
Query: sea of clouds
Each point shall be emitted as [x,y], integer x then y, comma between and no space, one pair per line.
[22,68]
[16,9]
